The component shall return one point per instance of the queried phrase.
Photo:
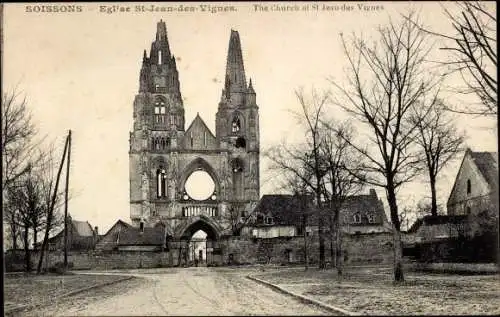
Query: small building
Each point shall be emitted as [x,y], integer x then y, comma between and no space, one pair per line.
[108,242]
[283,216]
[81,237]
[434,228]
[475,191]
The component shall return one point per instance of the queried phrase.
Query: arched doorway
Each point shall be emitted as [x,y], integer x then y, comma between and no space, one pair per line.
[199,242]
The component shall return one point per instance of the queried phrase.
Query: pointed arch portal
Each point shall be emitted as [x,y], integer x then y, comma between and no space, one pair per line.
[199,242]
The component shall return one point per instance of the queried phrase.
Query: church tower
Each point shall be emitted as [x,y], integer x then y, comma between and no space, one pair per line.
[237,124]
[163,154]
[158,125]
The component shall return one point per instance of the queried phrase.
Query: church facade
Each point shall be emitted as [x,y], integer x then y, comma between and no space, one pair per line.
[163,154]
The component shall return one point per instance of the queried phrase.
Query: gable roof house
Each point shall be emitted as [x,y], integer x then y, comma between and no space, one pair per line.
[474,195]
[125,237]
[475,191]
[282,216]
[81,237]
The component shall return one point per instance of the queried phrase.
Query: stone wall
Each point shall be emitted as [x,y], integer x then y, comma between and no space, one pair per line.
[358,249]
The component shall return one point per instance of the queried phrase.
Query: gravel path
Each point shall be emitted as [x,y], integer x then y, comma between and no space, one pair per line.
[186,291]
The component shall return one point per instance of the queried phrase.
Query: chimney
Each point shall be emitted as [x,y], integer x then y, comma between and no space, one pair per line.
[96,231]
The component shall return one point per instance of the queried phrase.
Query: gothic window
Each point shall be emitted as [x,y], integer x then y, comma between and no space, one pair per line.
[141,226]
[191,136]
[157,144]
[157,87]
[159,57]
[163,143]
[160,110]
[236,125]
[160,182]
[468,186]
[357,218]
[468,210]
[205,139]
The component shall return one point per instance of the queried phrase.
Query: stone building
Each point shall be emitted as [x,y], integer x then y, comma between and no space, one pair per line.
[475,191]
[282,216]
[81,237]
[164,154]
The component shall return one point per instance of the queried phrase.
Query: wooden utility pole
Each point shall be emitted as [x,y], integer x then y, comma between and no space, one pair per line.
[66,204]
[51,210]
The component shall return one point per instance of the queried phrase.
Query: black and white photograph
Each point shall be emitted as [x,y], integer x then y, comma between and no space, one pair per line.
[250,158]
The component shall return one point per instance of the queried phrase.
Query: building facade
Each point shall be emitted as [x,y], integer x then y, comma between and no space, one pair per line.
[163,154]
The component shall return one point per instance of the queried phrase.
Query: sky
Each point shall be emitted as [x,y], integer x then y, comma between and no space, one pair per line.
[80,71]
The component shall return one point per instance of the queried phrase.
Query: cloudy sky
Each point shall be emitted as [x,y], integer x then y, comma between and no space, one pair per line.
[80,71]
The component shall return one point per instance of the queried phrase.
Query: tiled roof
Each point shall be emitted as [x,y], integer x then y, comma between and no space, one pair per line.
[285,209]
[487,163]
[150,236]
[83,228]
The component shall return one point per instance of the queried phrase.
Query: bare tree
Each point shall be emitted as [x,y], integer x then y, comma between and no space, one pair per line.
[339,158]
[24,198]
[473,53]
[304,161]
[17,134]
[18,131]
[439,140]
[387,77]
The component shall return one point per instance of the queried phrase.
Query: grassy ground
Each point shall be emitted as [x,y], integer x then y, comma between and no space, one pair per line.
[25,289]
[371,291]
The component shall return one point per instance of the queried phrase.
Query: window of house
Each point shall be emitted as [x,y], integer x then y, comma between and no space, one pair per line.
[191,139]
[371,218]
[141,227]
[357,218]
[205,139]
[269,220]
[468,210]
[159,57]
[260,219]
[468,186]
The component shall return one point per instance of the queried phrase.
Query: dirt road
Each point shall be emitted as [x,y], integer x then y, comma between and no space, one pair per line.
[182,291]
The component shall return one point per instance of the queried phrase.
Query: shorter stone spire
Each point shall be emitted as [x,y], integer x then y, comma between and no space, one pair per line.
[250,87]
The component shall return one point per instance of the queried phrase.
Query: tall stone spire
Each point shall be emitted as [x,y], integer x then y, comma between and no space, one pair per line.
[235,71]
[160,44]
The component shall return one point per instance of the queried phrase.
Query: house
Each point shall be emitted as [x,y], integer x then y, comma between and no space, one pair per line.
[125,237]
[364,214]
[108,241]
[81,237]
[282,216]
[475,191]
[433,228]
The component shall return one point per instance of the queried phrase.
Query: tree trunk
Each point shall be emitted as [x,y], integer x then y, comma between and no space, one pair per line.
[14,233]
[398,252]
[433,196]
[27,249]
[332,242]
[321,236]
[306,258]
[339,258]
